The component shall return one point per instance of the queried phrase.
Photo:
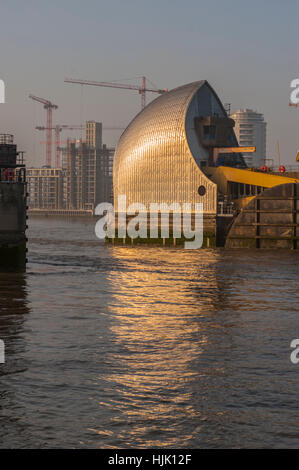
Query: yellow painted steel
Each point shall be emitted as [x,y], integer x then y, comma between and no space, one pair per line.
[223,174]
[236,149]
[243,201]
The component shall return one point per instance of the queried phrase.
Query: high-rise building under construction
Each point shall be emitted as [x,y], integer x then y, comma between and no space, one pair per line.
[84,180]
[93,134]
[88,170]
[81,186]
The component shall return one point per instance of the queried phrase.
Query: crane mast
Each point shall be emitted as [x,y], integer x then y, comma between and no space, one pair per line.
[49,106]
[57,129]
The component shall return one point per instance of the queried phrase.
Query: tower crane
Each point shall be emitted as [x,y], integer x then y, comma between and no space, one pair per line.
[142,89]
[49,106]
[57,129]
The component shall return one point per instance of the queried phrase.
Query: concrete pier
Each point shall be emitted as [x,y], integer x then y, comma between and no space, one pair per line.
[12,225]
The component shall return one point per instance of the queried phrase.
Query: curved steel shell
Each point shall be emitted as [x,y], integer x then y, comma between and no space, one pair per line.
[158,156]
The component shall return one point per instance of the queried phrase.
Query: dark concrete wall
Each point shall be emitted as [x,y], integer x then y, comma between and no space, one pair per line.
[12,224]
[270,220]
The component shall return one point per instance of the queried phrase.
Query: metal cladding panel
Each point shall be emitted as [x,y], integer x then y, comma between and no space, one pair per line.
[153,162]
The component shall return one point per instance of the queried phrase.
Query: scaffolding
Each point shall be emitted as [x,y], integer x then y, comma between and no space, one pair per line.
[84,180]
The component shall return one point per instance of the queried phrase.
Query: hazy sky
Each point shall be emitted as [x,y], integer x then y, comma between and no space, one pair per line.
[247,50]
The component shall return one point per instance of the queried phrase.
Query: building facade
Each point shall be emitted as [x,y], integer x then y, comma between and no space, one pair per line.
[87,166]
[13,205]
[45,188]
[105,172]
[80,176]
[250,129]
[93,134]
[87,175]
[84,180]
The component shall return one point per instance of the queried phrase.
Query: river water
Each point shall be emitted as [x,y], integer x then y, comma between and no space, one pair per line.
[146,347]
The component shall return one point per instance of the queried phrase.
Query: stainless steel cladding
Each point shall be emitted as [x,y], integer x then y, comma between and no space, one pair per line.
[159,155]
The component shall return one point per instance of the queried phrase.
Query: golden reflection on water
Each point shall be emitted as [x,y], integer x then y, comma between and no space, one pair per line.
[158,338]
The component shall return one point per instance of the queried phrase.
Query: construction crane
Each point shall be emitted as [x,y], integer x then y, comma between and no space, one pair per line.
[59,128]
[142,89]
[49,106]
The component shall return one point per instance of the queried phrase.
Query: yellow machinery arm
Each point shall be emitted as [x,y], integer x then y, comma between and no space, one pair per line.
[224,175]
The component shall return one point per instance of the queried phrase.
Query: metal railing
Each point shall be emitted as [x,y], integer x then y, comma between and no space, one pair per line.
[275,169]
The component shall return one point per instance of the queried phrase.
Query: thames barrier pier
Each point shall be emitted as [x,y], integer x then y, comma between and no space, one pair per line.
[182,149]
[12,206]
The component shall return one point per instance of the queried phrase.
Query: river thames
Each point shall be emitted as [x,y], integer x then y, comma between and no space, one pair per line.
[147,347]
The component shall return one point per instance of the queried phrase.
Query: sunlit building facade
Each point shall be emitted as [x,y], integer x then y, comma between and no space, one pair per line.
[93,134]
[160,157]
